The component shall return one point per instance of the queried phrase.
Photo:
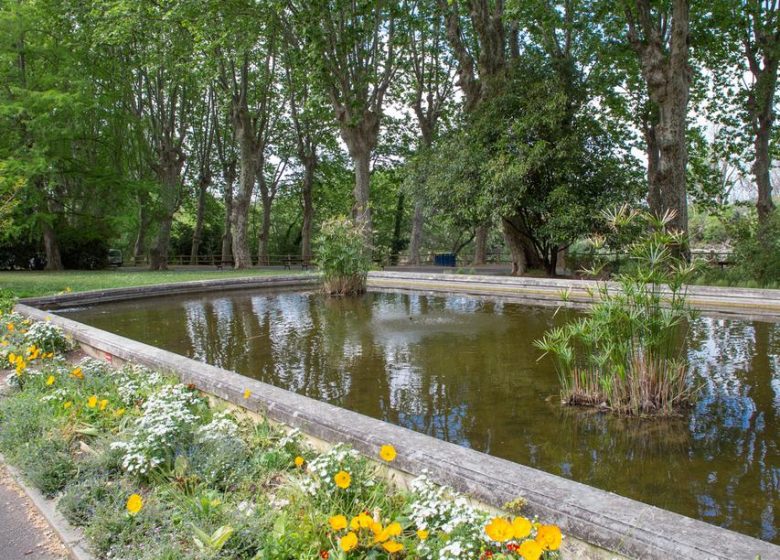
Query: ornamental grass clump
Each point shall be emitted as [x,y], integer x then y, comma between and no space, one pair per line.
[343,257]
[627,353]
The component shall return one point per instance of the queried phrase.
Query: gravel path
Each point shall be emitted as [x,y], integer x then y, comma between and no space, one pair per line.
[24,533]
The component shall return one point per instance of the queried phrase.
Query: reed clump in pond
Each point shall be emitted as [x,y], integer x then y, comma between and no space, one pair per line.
[627,353]
[343,257]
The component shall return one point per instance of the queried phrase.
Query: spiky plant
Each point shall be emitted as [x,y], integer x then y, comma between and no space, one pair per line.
[627,353]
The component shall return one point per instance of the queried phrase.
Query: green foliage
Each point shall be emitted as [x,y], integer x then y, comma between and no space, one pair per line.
[342,256]
[756,251]
[624,353]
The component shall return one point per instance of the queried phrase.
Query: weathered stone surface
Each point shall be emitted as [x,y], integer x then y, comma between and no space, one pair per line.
[606,520]
[122,294]
[752,303]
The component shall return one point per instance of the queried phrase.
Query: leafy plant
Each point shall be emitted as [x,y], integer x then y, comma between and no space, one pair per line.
[627,354]
[342,257]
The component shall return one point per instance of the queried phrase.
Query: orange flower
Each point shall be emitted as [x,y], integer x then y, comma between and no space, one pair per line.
[387,452]
[530,550]
[392,546]
[342,479]
[521,528]
[499,529]
[348,541]
[299,461]
[549,537]
[338,522]
[134,504]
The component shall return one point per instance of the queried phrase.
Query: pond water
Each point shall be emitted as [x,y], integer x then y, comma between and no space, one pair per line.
[463,369]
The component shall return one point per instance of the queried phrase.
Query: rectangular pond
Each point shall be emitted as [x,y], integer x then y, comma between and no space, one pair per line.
[463,369]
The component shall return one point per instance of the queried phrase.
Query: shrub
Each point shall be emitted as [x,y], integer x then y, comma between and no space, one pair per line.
[47,337]
[756,249]
[342,257]
[627,354]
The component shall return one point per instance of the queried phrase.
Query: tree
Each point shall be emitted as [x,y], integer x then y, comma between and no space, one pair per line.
[428,85]
[748,44]
[353,46]
[659,34]
[310,119]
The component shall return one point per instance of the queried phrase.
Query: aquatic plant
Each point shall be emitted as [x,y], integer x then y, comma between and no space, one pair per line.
[627,354]
[342,257]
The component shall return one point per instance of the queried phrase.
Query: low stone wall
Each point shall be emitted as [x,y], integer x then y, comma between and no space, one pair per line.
[181,288]
[599,524]
[750,303]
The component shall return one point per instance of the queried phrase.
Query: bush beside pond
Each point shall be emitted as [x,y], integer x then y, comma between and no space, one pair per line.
[151,470]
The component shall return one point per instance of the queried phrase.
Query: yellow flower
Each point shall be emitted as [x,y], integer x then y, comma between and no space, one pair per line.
[48,355]
[119,412]
[342,479]
[348,541]
[362,521]
[392,546]
[134,504]
[549,537]
[4,342]
[521,528]
[530,550]
[68,290]
[12,358]
[499,529]
[103,403]
[338,522]
[299,461]
[77,373]
[387,452]
[50,380]
[394,529]
[92,402]
[422,534]
[247,393]
[67,404]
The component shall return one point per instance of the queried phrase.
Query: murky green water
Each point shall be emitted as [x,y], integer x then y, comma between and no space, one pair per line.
[464,369]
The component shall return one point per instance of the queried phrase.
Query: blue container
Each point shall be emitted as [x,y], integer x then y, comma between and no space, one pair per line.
[444,259]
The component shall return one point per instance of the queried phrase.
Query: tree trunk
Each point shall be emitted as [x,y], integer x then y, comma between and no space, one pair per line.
[169,174]
[362,209]
[397,243]
[761,106]
[654,188]
[667,74]
[159,254]
[139,247]
[227,236]
[308,210]
[480,245]
[242,258]
[415,243]
[513,241]
[197,233]
[265,227]
[51,247]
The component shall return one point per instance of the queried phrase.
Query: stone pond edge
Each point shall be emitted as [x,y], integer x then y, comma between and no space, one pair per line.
[603,519]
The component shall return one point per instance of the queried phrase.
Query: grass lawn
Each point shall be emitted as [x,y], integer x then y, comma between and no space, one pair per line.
[29,284]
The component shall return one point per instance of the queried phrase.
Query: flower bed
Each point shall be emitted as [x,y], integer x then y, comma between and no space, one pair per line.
[151,470]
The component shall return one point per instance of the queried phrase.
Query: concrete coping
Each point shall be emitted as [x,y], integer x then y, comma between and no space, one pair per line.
[594,516]
[178,288]
[751,303]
